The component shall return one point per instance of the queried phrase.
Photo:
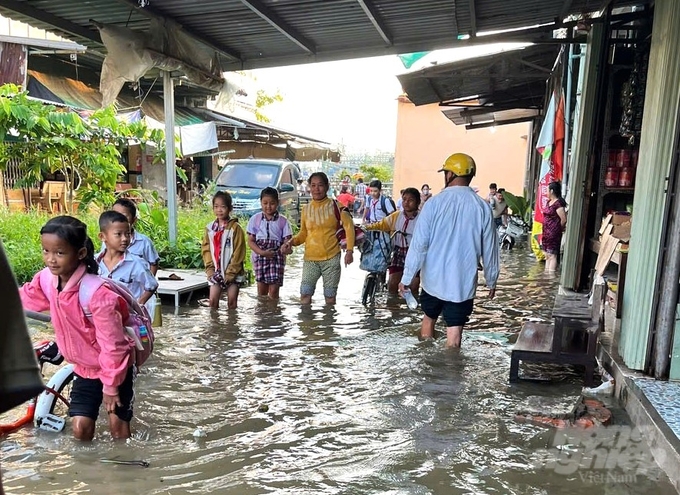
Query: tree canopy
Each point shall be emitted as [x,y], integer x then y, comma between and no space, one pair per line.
[44,139]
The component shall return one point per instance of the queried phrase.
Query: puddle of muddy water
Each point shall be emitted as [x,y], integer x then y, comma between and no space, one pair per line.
[354,404]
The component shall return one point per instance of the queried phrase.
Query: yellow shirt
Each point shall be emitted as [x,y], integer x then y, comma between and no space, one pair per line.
[317,230]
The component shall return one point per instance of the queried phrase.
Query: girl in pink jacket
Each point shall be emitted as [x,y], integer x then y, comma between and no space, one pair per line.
[97,346]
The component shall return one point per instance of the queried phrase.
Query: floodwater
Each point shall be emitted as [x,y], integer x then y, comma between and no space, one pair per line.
[337,401]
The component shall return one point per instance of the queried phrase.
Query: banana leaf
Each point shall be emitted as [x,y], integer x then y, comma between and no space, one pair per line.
[518,204]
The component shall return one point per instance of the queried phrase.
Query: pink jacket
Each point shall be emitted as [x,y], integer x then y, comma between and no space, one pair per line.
[98,348]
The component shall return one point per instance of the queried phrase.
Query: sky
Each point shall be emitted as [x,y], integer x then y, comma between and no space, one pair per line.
[350,102]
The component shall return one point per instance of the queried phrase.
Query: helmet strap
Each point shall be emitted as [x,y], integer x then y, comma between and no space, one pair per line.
[448,181]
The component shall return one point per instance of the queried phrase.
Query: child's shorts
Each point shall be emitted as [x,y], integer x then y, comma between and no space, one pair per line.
[87,396]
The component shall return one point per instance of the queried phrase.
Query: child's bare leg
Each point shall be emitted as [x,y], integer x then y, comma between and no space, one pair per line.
[393,282]
[83,428]
[274,291]
[232,296]
[119,429]
[215,294]
[262,289]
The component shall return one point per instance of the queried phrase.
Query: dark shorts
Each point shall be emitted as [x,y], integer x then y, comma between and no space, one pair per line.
[87,396]
[456,314]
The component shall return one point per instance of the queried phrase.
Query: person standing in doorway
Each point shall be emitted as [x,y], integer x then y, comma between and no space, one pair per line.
[554,223]
[454,230]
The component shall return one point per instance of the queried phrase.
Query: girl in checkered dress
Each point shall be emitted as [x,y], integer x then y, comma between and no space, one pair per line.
[267,230]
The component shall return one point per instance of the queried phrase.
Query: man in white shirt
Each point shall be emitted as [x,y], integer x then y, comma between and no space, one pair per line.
[454,230]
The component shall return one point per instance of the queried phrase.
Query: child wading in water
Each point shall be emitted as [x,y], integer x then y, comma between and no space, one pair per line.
[117,263]
[97,345]
[139,244]
[224,250]
[266,232]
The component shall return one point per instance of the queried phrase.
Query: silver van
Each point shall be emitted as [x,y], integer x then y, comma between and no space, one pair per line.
[244,180]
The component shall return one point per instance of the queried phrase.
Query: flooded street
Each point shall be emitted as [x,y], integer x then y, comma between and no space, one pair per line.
[329,401]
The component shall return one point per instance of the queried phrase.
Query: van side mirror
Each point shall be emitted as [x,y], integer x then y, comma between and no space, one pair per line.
[286,187]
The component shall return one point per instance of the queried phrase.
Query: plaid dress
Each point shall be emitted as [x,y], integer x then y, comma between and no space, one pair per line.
[398,259]
[269,270]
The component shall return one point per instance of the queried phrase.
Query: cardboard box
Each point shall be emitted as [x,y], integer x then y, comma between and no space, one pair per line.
[621,217]
[622,232]
[621,224]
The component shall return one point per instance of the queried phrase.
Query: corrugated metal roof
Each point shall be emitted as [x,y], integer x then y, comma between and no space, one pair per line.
[516,75]
[262,33]
[475,118]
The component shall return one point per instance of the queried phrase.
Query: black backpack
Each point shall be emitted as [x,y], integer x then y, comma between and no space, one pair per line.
[383,200]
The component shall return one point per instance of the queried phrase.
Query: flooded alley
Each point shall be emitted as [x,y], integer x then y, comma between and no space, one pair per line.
[329,401]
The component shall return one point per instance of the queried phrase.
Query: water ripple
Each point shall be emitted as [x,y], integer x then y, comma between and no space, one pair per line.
[323,401]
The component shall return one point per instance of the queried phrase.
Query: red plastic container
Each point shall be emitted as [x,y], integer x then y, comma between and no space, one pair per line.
[611,178]
[613,157]
[623,159]
[626,175]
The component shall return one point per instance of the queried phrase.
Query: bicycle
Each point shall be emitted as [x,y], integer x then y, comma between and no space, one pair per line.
[48,409]
[376,279]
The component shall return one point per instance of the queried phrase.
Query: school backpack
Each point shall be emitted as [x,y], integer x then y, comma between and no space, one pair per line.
[383,201]
[341,235]
[138,323]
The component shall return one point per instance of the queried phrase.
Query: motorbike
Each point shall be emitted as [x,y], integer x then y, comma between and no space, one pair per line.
[515,232]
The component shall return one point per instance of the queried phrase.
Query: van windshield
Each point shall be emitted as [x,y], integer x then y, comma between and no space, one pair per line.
[250,175]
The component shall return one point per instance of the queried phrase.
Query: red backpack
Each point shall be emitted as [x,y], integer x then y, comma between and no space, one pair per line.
[137,325]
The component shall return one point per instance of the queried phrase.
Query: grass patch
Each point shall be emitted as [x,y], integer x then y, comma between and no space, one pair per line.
[20,235]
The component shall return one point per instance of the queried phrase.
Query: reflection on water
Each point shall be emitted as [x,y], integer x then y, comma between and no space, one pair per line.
[327,400]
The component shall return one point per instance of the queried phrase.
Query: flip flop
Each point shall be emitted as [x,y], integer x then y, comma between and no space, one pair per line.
[204,302]
[174,276]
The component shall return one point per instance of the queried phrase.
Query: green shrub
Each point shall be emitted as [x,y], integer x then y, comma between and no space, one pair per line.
[20,235]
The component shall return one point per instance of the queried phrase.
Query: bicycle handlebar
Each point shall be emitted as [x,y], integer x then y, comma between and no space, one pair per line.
[33,315]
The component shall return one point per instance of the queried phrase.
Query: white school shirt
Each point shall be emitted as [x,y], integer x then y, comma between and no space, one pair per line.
[278,228]
[375,212]
[454,230]
[132,271]
[140,245]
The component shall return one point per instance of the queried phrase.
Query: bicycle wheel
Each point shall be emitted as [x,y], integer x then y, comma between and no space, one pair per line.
[51,405]
[368,294]
[59,407]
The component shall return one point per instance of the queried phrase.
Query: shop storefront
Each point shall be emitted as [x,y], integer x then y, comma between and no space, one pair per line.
[623,163]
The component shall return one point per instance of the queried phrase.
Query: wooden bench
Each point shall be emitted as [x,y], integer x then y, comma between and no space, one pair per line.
[572,339]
